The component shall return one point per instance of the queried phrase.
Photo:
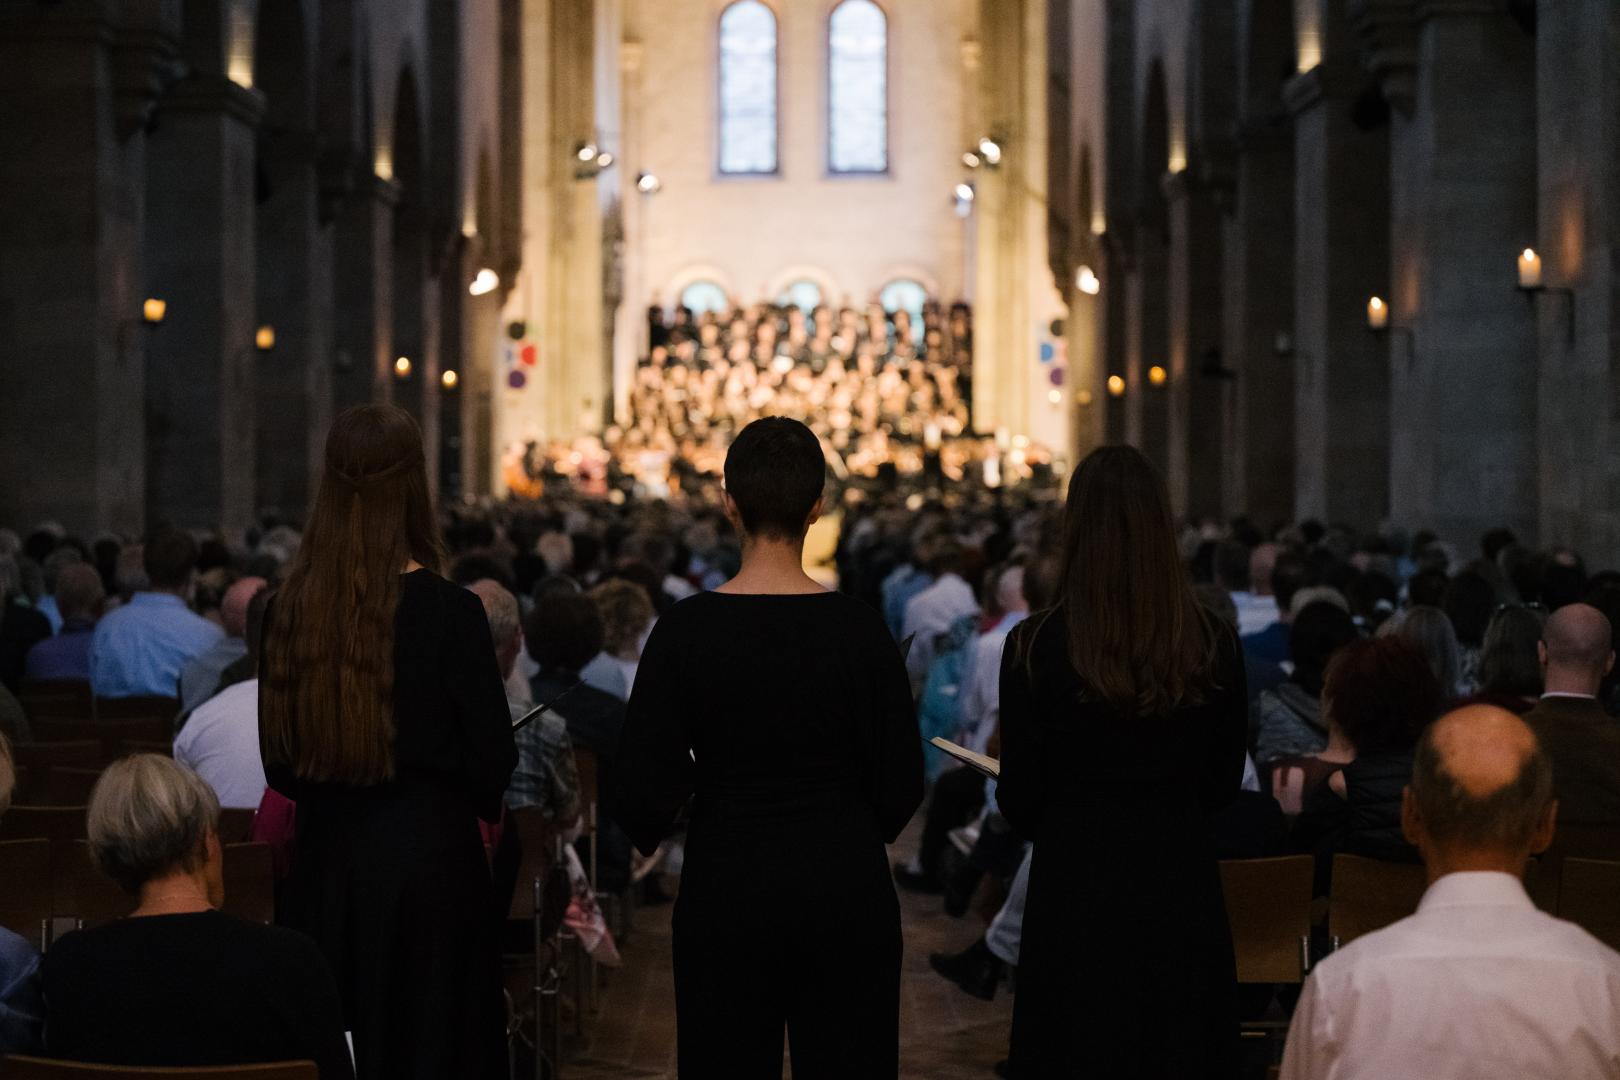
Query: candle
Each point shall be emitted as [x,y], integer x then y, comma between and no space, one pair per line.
[1116,386]
[1529,269]
[1377,314]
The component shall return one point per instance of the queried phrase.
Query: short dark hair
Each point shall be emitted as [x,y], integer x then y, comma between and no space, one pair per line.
[564,631]
[775,472]
[169,556]
[1509,662]
[1504,820]
[1288,576]
[1318,631]
[1427,587]
[1469,602]
[1381,693]
[1232,566]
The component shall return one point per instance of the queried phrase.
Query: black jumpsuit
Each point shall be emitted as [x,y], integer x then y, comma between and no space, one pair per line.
[790,719]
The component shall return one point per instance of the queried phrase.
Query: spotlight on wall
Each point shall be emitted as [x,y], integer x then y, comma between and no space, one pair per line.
[1083,397]
[265,338]
[154,310]
[604,159]
[484,282]
[990,151]
[402,368]
[648,183]
[1085,279]
[1116,386]
[970,159]
[964,193]
[586,152]
[1157,375]
[1055,397]
[1377,313]
[449,379]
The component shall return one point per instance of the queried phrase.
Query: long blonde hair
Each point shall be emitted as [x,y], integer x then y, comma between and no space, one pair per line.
[326,699]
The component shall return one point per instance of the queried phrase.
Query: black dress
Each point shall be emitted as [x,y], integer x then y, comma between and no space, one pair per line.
[790,718]
[198,989]
[391,880]
[1126,966]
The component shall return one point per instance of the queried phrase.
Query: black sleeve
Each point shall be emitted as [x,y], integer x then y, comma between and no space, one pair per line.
[1021,788]
[897,778]
[653,774]
[489,753]
[1228,736]
[320,1019]
[278,774]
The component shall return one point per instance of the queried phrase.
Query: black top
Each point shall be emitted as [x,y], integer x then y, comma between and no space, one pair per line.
[201,989]
[768,705]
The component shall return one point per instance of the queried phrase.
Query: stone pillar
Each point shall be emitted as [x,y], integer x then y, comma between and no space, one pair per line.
[76,88]
[293,381]
[1196,437]
[1341,260]
[200,257]
[1463,204]
[363,292]
[1259,303]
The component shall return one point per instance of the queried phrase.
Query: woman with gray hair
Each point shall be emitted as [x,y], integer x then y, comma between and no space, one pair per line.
[178,983]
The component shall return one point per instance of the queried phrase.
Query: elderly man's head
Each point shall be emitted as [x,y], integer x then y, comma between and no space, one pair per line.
[233,609]
[1576,649]
[152,821]
[505,621]
[1481,796]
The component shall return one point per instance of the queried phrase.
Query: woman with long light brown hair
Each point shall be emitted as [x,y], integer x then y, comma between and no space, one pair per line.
[382,715]
[1123,721]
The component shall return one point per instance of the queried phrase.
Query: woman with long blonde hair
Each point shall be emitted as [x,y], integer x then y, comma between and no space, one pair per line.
[382,715]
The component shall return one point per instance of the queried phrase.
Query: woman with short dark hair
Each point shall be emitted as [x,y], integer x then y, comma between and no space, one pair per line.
[382,714]
[785,710]
[1123,722]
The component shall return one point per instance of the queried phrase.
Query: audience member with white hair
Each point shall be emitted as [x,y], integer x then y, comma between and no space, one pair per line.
[178,983]
[22,1012]
[1478,983]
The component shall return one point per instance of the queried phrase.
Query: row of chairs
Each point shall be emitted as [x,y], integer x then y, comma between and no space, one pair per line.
[49,700]
[19,1067]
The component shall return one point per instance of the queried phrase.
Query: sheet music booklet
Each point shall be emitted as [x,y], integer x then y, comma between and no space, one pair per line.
[989,766]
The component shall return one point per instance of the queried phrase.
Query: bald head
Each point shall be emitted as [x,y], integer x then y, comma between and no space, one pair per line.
[1481,790]
[1577,649]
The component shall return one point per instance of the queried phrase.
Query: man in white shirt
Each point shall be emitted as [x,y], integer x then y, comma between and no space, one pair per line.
[934,610]
[220,743]
[1478,984]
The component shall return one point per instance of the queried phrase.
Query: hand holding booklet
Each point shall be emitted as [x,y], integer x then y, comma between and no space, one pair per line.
[989,766]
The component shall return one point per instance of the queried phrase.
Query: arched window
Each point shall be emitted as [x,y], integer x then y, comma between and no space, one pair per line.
[802,294]
[748,88]
[903,294]
[704,296]
[858,88]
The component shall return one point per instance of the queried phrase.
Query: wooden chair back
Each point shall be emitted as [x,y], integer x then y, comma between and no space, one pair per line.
[1579,841]
[1369,894]
[235,824]
[585,760]
[25,898]
[59,824]
[1589,897]
[66,785]
[1268,904]
[56,699]
[115,736]
[31,1068]
[535,837]
[250,883]
[39,758]
[140,707]
[161,747]
[80,891]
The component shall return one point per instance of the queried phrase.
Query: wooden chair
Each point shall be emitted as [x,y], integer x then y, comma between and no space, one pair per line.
[1576,840]
[66,785]
[81,892]
[536,902]
[250,883]
[39,758]
[1589,897]
[115,736]
[59,824]
[235,824]
[140,707]
[1268,904]
[56,699]
[1369,894]
[31,1068]
[25,900]
[161,747]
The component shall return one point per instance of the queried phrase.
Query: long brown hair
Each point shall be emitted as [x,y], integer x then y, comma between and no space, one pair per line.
[1137,634]
[326,702]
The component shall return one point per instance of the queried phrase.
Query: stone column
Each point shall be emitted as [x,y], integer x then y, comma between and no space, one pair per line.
[1341,260]
[293,381]
[1259,303]
[76,88]
[1197,439]
[200,257]
[1463,204]
[363,292]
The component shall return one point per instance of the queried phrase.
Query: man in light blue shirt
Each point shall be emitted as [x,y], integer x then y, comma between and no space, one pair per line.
[141,647]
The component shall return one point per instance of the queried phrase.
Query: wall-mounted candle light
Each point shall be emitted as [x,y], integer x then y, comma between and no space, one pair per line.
[154,310]
[449,379]
[1377,313]
[402,368]
[1529,270]
[1116,385]
[1083,397]
[1157,375]
[264,339]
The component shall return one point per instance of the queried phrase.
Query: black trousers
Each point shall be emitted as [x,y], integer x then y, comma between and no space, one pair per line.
[957,799]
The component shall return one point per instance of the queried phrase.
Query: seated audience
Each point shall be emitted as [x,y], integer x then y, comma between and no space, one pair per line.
[22,1013]
[178,983]
[1580,739]
[546,775]
[1478,983]
[220,740]
[627,617]
[1510,661]
[1431,632]
[1381,695]
[79,596]
[934,610]
[21,627]
[1290,716]
[199,678]
[140,648]
[1469,602]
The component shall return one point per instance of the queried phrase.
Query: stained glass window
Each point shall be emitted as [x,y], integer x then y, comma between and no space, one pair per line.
[858,88]
[748,88]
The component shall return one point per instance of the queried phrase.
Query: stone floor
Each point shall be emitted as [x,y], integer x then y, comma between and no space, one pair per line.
[944,1034]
